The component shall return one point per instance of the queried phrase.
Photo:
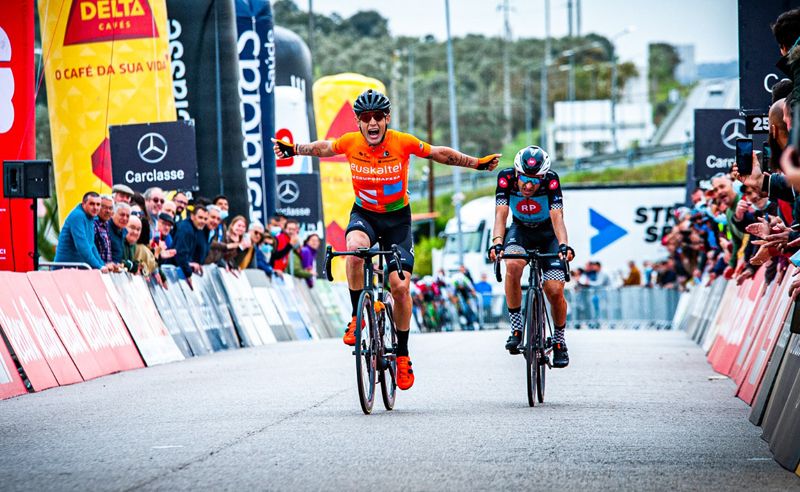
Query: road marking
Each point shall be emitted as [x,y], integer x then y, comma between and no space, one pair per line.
[168,446]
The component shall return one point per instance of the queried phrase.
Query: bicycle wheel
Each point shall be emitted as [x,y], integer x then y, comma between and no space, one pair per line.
[366,359]
[530,347]
[541,366]
[389,372]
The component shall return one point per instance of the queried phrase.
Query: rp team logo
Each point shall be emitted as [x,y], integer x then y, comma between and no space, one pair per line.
[529,207]
[93,21]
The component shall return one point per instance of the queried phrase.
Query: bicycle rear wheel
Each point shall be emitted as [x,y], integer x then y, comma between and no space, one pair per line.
[541,366]
[365,352]
[389,373]
[529,350]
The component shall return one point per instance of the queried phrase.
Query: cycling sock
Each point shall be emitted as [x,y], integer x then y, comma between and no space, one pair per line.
[402,343]
[558,334]
[515,315]
[355,295]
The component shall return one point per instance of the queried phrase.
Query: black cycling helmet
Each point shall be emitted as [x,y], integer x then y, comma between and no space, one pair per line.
[371,100]
[532,160]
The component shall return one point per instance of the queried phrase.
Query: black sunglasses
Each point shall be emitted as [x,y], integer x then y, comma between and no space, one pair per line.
[366,116]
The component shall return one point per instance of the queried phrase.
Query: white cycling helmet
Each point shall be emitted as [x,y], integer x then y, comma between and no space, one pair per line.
[532,161]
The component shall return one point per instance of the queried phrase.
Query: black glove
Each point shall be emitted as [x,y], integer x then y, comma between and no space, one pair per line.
[286,147]
[565,250]
[498,248]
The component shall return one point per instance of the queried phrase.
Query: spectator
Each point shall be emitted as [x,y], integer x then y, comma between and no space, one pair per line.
[601,279]
[216,229]
[181,202]
[634,277]
[101,223]
[221,201]
[283,246]
[239,244]
[121,193]
[170,208]
[76,240]
[139,209]
[138,256]
[154,200]
[308,255]
[484,289]
[263,248]
[162,242]
[117,231]
[225,250]
[190,242]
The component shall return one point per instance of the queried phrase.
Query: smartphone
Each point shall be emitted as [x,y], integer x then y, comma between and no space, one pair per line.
[766,156]
[794,136]
[744,156]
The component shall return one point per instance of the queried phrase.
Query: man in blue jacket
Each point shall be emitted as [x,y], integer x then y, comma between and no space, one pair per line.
[76,241]
[190,242]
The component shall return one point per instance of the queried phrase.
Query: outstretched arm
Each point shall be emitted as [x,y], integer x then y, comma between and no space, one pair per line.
[320,148]
[452,157]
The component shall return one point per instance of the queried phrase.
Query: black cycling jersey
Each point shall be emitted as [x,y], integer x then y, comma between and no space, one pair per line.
[533,211]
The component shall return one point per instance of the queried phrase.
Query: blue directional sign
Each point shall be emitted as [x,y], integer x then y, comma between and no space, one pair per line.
[607,231]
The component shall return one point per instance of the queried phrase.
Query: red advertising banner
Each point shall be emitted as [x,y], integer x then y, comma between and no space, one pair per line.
[10,382]
[17,127]
[95,314]
[28,353]
[87,360]
[19,306]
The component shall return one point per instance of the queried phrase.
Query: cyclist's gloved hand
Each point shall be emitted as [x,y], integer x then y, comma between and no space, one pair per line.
[489,162]
[566,252]
[494,251]
[283,149]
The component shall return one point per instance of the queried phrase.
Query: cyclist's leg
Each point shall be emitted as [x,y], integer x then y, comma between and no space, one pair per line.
[514,243]
[554,277]
[359,234]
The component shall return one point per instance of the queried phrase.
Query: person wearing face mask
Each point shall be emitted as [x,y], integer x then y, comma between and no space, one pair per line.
[221,201]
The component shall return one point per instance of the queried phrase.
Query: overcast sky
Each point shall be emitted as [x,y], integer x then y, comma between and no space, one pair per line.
[708,24]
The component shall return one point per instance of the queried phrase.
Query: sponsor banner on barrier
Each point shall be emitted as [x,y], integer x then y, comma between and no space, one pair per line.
[87,359]
[95,314]
[17,126]
[205,70]
[276,317]
[247,315]
[300,330]
[27,352]
[333,103]
[765,305]
[784,381]
[106,63]
[165,311]
[22,314]
[256,46]
[214,295]
[768,380]
[758,51]
[207,314]
[154,154]
[10,382]
[785,444]
[147,329]
[195,335]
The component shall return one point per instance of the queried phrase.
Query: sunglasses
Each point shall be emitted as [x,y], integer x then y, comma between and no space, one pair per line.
[527,179]
[369,115]
[157,200]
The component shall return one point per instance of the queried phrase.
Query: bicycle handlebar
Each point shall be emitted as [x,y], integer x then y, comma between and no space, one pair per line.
[364,254]
[530,256]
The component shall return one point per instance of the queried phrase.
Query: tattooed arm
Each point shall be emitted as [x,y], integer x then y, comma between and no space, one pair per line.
[452,157]
[320,148]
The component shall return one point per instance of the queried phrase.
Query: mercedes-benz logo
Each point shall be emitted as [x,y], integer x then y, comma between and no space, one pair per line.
[288,191]
[152,148]
[732,130]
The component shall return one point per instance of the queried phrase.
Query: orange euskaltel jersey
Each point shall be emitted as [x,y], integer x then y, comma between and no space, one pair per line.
[380,173]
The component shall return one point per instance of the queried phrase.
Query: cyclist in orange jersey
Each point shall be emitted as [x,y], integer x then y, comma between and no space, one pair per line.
[378,159]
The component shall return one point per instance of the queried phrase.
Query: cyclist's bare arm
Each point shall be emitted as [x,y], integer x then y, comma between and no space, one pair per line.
[557,217]
[499,230]
[452,157]
[320,148]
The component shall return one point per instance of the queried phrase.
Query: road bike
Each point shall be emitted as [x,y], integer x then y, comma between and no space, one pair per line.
[534,346]
[376,333]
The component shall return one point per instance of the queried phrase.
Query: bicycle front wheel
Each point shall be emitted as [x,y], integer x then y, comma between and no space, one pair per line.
[389,372]
[541,365]
[365,352]
[529,332]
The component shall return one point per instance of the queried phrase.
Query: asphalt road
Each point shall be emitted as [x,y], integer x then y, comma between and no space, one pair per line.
[635,410]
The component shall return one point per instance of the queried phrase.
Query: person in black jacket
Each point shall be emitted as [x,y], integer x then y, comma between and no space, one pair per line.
[190,242]
[117,231]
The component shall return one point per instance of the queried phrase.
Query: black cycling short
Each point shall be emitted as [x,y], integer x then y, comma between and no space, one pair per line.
[386,229]
[520,238]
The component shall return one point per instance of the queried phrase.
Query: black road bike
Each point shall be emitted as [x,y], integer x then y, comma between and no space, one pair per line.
[534,346]
[376,332]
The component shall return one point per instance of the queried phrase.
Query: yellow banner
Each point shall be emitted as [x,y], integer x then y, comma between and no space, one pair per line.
[333,108]
[106,63]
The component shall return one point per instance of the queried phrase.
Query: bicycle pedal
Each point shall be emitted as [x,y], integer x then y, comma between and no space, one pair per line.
[548,342]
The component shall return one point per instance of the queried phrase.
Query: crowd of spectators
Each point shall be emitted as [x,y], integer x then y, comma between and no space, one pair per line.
[739,223]
[141,233]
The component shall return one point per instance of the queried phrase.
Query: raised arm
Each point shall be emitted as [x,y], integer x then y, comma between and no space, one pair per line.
[452,157]
[320,148]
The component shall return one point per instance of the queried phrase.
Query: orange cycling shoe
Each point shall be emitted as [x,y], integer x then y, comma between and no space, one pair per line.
[405,375]
[349,337]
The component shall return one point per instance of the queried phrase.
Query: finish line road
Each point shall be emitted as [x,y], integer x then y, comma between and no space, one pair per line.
[635,410]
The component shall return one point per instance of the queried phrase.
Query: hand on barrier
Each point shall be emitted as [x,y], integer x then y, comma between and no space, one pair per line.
[746,274]
[489,162]
[196,268]
[728,273]
[759,229]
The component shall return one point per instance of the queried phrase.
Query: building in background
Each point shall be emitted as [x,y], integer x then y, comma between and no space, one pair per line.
[686,71]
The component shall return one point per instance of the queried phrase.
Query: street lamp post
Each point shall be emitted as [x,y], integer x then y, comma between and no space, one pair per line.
[451,86]
[544,88]
[614,76]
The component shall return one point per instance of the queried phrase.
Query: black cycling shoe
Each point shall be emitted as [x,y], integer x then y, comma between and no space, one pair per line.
[560,355]
[512,344]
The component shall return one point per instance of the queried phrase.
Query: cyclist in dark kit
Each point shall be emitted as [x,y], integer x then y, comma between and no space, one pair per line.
[532,192]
